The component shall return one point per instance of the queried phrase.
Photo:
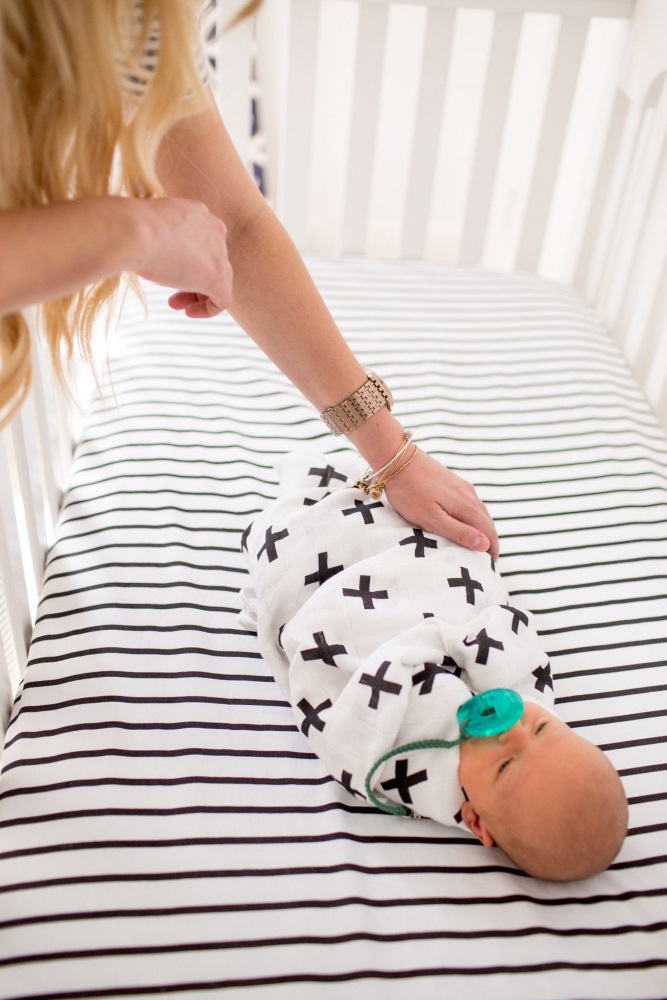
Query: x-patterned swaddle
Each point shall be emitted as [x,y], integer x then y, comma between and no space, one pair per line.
[378,632]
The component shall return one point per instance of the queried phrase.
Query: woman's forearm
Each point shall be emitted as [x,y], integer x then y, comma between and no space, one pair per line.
[277,303]
[50,251]
[274,298]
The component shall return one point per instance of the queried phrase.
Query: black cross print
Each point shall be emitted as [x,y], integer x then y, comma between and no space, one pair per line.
[465,580]
[270,543]
[327,475]
[518,617]
[379,684]
[323,572]
[323,651]
[485,643]
[312,715]
[346,782]
[420,542]
[309,502]
[366,594]
[402,781]
[363,508]
[544,680]
[244,538]
[427,676]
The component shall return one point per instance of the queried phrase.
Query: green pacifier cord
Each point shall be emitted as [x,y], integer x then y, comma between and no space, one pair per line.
[406,748]
[487,714]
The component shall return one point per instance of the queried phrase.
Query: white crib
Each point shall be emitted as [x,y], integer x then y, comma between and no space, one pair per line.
[480,188]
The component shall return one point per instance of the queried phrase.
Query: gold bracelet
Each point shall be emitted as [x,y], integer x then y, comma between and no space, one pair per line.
[376,489]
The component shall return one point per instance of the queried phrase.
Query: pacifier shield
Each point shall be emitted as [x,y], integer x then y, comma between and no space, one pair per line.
[490,713]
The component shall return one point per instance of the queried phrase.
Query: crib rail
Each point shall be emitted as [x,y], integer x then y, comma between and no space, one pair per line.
[385,138]
[35,456]
[520,134]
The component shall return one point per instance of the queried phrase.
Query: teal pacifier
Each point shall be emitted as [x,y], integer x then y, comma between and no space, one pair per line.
[487,714]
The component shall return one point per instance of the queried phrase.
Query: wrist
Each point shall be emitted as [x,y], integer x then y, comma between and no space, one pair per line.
[378,439]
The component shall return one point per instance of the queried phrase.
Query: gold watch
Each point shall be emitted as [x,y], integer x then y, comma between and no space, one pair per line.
[358,407]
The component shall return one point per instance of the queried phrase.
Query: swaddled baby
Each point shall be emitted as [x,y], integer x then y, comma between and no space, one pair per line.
[379,634]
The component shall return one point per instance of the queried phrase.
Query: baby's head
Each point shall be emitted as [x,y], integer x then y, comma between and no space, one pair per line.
[550,799]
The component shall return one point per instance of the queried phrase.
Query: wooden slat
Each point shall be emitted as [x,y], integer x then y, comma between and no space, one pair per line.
[232,83]
[15,592]
[502,59]
[21,455]
[585,277]
[565,8]
[634,215]
[641,287]
[430,103]
[571,41]
[44,433]
[371,42]
[657,377]
[295,152]
[8,667]
[651,367]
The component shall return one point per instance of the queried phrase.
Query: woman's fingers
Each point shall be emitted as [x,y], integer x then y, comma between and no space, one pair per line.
[186,248]
[435,499]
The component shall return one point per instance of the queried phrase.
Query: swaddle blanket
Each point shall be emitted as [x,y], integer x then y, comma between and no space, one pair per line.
[377,632]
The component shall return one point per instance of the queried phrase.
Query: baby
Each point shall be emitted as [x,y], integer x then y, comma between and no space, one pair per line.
[378,634]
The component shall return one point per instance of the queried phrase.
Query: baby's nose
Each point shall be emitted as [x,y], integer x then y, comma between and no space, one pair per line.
[516,736]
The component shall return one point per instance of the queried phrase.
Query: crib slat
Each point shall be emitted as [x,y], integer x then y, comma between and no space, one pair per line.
[586,276]
[295,146]
[430,101]
[15,593]
[51,487]
[647,265]
[651,367]
[572,38]
[566,8]
[231,82]
[507,30]
[371,39]
[18,441]
[633,216]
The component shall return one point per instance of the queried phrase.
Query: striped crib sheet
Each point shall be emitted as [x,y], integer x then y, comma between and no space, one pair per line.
[164,827]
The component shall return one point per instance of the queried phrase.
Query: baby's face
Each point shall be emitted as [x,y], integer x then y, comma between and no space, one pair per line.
[550,798]
[520,764]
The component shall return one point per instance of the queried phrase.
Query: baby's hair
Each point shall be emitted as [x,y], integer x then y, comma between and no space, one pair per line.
[576,842]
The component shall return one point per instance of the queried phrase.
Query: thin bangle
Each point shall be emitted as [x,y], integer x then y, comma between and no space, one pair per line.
[406,441]
[375,490]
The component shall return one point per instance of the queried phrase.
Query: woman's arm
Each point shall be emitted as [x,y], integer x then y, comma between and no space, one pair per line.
[278,305]
[50,251]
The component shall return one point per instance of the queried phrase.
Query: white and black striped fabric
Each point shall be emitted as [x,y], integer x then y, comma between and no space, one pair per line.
[164,826]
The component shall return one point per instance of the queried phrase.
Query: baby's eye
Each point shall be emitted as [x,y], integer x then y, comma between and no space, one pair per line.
[505,764]
[541,726]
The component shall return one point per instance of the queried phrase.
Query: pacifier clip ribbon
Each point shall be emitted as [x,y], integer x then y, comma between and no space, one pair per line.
[487,714]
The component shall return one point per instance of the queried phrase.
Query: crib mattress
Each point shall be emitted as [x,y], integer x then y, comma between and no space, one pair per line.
[164,827]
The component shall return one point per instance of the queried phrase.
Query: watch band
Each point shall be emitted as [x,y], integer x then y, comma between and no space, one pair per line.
[359,406]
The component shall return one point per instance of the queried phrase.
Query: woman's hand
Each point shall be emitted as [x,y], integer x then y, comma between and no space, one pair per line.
[184,246]
[431,497]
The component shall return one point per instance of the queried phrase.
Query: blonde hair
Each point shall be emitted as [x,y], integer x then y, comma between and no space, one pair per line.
[68,132]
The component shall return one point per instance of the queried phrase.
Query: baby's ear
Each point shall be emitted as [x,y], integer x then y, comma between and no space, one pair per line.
[476,824]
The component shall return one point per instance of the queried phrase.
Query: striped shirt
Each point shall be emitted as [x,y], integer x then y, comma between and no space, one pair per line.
[135,85]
